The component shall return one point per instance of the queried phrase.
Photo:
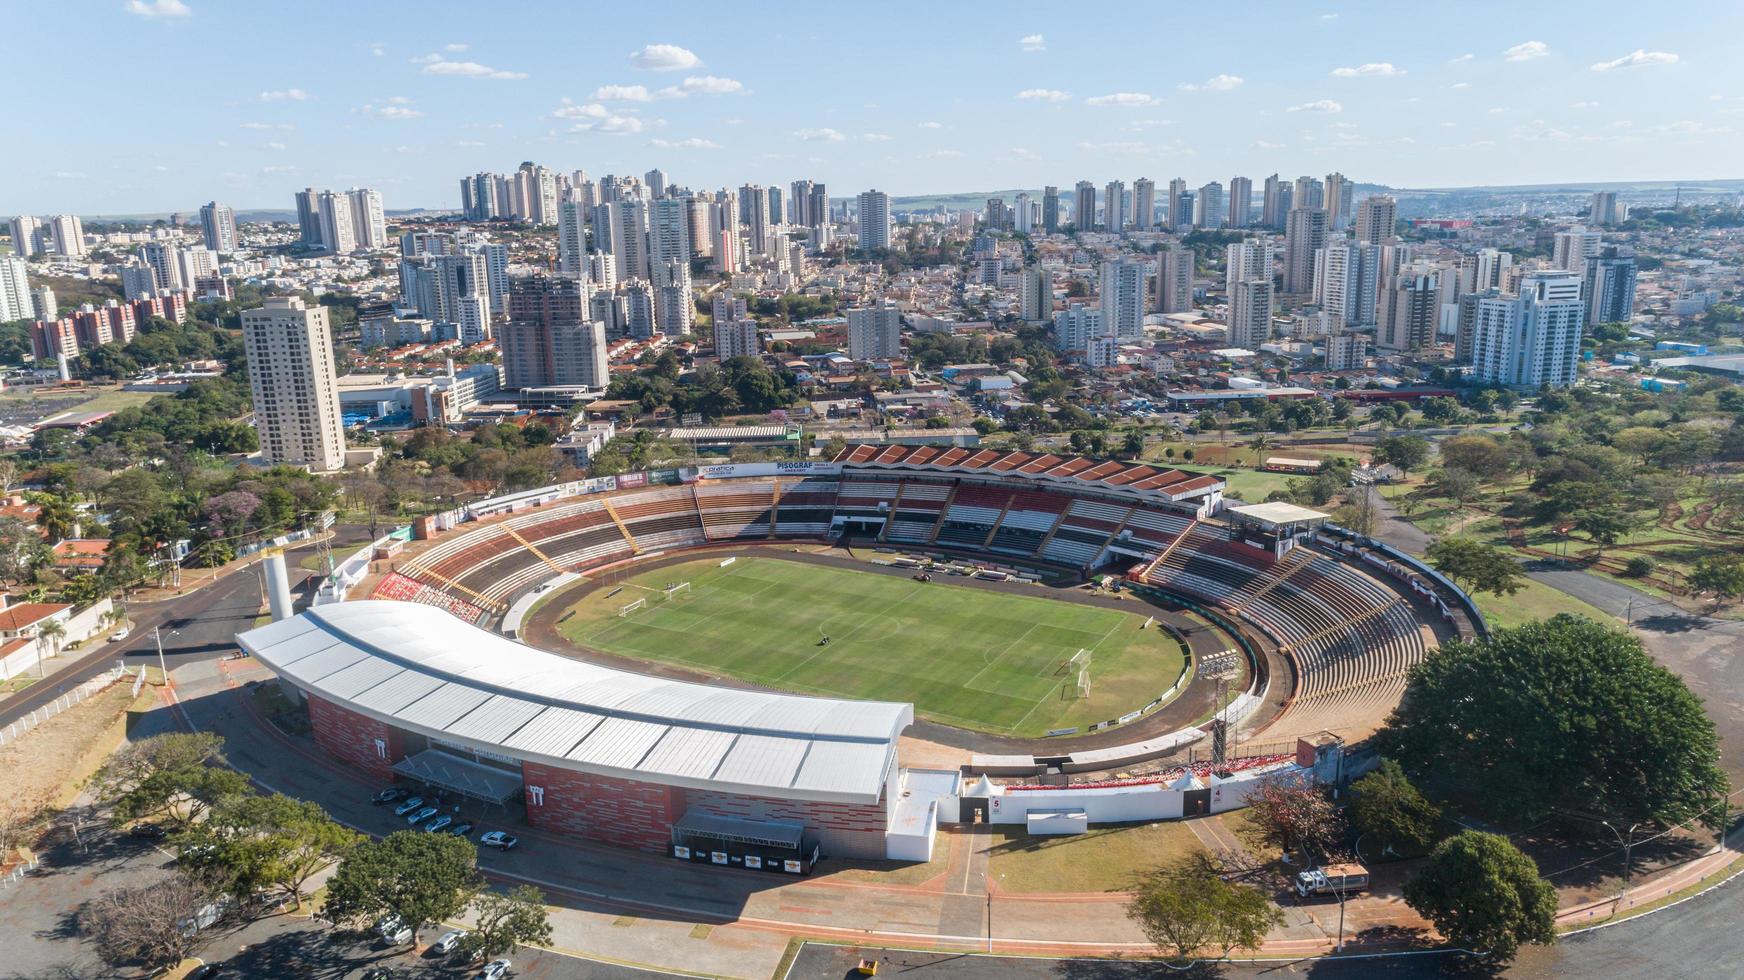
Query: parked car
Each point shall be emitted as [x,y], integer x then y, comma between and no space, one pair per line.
[147,831]
[449,940]
[392,932]
[120,634]
[408,806]
[494,970]
[461,829]
[435,826]
[499,840]
[421,816]
[389,795]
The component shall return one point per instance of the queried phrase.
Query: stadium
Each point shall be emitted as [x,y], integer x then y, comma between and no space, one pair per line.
[729,663]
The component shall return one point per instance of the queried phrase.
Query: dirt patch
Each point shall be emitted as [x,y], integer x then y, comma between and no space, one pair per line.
[57,755]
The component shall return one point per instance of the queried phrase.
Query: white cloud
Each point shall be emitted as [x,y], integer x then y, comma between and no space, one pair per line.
[467,69]
[825,135]
[876,137]
[1032,42]
[665,57]
[623,93]
[279,169]
[1319,105]
[1379,69]
[615,125]
[1268,145]
[455,48]
[1216,83]
[378,49]
[1043,95]
[596,118]
[1526,51]
[396,108]
[694,143]
[273,146]
[1462,59]
[929,124]
[1456,86]
[1638,58]
[283,95]
[1022,153]
[942,155]
[712,85]
[1121,98]
[261,125]
[1328,16]
[1583,105]
[1140,125]
[573,110]
[158,8]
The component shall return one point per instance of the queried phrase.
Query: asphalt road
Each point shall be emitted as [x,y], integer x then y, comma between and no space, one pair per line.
[201,625]
[1697,940]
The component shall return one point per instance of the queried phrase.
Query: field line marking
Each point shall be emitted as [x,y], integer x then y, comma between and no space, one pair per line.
[1040,701]
[990,664]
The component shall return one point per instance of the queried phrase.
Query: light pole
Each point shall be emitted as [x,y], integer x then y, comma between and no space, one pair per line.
[157,635]
[1628,845]
[1341,876]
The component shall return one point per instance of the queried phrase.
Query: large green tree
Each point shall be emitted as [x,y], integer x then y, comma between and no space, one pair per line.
[1475,566]
[1384,805]
[1484,895]
[249,843]
[1187,907]
[178,775]
[1292,815]
[421,878]
[1563,715]
[504,920]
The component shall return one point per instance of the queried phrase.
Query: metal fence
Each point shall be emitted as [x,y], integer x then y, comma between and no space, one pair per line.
[12,732]
[18,872]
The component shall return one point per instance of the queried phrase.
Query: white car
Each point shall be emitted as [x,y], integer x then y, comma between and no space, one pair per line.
[449,940]
[120,634]
[494,970]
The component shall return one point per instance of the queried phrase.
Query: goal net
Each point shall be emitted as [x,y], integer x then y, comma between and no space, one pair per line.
[672,590]
[1083,690]
[630,607]
[1079,661]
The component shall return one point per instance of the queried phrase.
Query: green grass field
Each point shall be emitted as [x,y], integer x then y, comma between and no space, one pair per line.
[968,657]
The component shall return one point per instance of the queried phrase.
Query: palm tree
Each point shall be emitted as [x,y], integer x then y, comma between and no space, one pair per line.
[1259,445]
[54,630]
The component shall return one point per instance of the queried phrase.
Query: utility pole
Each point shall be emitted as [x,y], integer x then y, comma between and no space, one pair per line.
[157,635]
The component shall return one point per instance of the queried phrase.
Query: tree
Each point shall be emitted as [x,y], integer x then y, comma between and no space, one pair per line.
[1259,444]
[1561,715]
[1187,906]
[1360,512]
[1606,521]
[146,924]
[1484,895]
[503,921]
[1722,574]
[251,842]
[1475,566]
[161,774]
[20,815]
[1457,485]
[421,878]
[1292,815]
[1405,453]
[1385,805]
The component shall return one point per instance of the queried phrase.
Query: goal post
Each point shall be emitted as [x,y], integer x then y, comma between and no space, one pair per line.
[630,607]
[672,590]
[1083,682]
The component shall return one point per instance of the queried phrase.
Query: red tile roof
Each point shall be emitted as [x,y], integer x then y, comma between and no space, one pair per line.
[1113,474]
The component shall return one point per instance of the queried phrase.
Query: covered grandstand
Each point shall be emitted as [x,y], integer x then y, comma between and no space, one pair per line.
[608,755]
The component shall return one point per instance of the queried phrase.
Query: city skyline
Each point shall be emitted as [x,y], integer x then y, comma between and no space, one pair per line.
[1493,95]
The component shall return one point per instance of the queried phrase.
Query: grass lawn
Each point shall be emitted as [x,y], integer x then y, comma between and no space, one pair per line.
[1252,486]
[969,657]
[1096,861]
[1534,601]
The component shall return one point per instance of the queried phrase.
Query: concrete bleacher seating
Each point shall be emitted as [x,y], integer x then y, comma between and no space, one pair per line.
[1350,638]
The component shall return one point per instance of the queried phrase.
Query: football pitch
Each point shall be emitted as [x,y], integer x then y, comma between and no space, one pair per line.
[970,657]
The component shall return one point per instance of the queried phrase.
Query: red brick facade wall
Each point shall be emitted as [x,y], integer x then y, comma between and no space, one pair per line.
[842,829]
[352,737]
[601,808]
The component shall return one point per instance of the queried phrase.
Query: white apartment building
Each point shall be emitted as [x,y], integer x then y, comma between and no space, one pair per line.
[15,301]
[1532,339]
[736,338]
[874,220]
[296,396]
[1123,299]
[875,333]
[1250,314]
[1076,326]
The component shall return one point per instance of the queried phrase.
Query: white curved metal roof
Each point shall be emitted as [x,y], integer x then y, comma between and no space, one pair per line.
[420,669]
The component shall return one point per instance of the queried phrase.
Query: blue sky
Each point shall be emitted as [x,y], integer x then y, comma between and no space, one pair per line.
[153,105]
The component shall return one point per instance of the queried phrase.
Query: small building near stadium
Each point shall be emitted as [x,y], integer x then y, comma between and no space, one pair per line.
[755,779]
